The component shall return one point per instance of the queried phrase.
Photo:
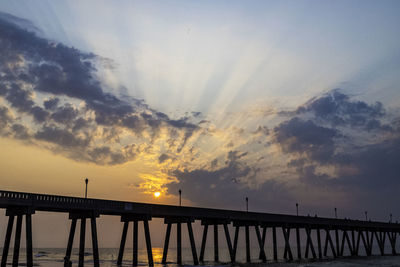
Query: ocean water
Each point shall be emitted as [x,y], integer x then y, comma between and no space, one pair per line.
[53,257]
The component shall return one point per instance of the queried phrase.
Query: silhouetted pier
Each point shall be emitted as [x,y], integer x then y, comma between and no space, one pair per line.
[338,233]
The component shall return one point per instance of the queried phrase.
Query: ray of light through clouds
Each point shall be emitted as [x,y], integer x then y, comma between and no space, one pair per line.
[282,101]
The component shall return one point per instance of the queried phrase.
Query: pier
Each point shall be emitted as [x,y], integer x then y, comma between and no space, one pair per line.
[323,235]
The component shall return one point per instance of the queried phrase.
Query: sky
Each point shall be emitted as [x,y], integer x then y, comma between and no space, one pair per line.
[283,102]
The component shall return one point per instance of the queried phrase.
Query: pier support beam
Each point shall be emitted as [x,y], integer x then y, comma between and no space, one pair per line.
[349,244]
[328,240]
[261,240]
[298,243]
[203,243]
[286,236]
[18,212]
[215,223]
[261,243]
[366,242]
[319,243]
[275,246]
[228,242]
[263,237]
[337,241]
[216,252]
[82,216]
[309,244]
[235,241]
[122,244]
[392,238]
[135,218]
[178,221]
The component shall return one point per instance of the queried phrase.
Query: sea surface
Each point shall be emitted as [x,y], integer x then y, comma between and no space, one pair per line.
[53,257]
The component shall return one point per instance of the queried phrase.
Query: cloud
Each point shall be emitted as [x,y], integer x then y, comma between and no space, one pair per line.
[305,137]
[62,137]
[51,103]
[57,96]
[339,110]
[328,147]
[326,153]
[51,96]
[163,157]
[227,186]
[20,131]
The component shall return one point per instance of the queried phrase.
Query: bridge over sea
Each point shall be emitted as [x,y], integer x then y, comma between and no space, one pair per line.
[323,235]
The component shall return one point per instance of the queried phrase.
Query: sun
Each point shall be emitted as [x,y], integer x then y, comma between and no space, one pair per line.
[157,194]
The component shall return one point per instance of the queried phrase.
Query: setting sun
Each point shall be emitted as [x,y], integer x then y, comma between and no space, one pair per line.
[157,194]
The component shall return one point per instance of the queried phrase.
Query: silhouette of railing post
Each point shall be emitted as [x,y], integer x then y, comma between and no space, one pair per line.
[19,212]
[178,221]
[135,218]
[82,216]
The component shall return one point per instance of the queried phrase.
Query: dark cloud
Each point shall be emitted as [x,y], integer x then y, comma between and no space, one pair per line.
[51,103]
[344,151]
[214,163]
[65,114]
[372,166]
[228,186]
[23,23]
[163,157]
[62,137]
[5,116]
[64,71]
[338,109]
[307,138]
[362,164]
[19,98]
[20,131]
[80,123]
[196,114]
[39,114]
[107,155]
[31,65]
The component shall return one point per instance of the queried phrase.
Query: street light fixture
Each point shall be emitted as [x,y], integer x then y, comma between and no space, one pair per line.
[366,215]
[180,197]
[335,213]
[297,209]
[247,204]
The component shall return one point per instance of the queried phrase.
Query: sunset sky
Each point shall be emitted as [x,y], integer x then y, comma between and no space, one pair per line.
[280,101]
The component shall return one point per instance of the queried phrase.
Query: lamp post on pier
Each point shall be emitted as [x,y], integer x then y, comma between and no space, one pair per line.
[180,197]
[247,204]
[297,209]
[366,215]
[335,213]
